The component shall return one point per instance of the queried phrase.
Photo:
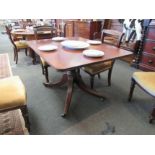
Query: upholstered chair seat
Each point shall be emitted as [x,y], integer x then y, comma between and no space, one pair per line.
[21,44]
[13,96]
[146,81]
[97,68]
[13,92]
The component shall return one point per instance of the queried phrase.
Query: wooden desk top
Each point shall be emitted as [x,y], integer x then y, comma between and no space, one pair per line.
[66,59]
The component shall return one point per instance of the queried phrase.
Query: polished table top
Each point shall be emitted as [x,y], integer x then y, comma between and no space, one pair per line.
[67,59]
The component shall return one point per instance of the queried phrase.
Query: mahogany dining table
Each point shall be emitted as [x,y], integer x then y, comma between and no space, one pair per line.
[69,61]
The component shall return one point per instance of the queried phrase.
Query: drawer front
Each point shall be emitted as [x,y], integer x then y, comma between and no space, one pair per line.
[149,47]
[151,33]
[146,67]
[148,60]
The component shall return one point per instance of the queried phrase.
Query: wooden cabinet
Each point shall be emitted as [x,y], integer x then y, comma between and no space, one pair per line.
[69,29]
[147,61]
[86,29]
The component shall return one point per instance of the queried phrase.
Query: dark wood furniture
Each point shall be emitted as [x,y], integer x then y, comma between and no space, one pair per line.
[86,29]
[69,28]
[112,37]
[147,55]
[145,80]
[70,61]
[41,33]
[17,45]
[96,69]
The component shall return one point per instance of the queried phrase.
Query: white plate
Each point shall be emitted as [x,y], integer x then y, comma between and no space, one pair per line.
[73,44]
[94,42]
[18,30]
[58,38]
[93,53]
[47,47]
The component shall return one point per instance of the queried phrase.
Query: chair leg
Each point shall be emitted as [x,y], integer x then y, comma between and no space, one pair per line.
[152,116]
[46,73]
[16,56]
[24,111]
[26,51]
[99,76]
[92,81]
[131,89]
[43,72]
[109,77]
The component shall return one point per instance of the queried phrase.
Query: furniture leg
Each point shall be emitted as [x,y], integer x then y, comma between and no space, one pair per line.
[109,76]
[78,80]
[33,56]
[69,95]
[99,76]
[92,81]
[46,73]
[16,56]
[26,51]
[59,83]
[152,117]
[24,111]
[131,89]
[42,69]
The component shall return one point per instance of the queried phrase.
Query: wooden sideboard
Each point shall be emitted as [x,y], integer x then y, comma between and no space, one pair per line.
[147,59]
[86,29]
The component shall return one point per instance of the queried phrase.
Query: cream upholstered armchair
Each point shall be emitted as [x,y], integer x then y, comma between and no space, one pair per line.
[111,37]
[146,81]
[13,96]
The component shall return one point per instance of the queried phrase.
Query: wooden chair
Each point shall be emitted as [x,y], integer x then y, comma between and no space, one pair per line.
[13,96]
[44,32]
[17,45]
[96,69]
[146,81]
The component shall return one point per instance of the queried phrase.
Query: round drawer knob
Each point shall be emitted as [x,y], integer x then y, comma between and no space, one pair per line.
[153,48]
[150,61]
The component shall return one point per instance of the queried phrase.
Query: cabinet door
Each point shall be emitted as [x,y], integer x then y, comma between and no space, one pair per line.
[69,30]
[82,29]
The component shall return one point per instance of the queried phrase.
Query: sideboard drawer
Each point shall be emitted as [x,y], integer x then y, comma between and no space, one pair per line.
[148,60]
[151,33]
[149,46]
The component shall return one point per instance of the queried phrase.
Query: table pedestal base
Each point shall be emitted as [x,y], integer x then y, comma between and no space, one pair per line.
[71,77]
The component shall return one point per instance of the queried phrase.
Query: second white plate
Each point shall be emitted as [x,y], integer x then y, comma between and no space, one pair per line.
[58,38]
[93,53]
[74,44]
[94,42]
[47,47]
